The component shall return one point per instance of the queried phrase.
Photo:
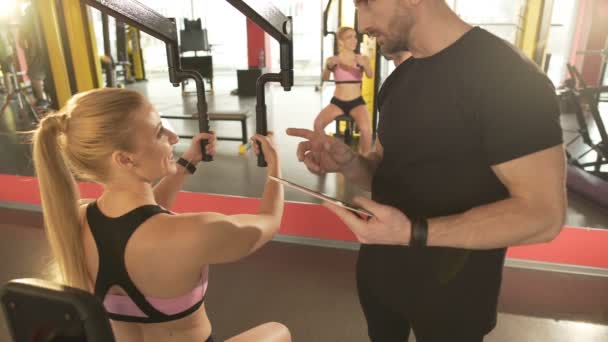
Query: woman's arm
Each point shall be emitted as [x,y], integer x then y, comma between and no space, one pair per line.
[366,64]
[165,192]
[330,65]
[212,238]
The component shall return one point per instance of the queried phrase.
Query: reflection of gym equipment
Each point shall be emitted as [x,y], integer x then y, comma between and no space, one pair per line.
[345,124]
[107,61]
[587,178]
[18,92]
[349,128]
[587,97]
[41,311]
[280,27]
[193,38]
[129,57]
[135,53]
[123,64]
[604,54]
[326,32]
[139,16]
[38,302]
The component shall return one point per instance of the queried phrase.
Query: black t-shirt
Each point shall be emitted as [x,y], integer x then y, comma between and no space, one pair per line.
[444,121]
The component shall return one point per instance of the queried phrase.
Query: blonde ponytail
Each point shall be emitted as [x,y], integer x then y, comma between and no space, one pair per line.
[79,140]
[59,195]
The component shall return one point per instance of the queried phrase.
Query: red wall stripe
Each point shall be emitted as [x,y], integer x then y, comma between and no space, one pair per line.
[574,246]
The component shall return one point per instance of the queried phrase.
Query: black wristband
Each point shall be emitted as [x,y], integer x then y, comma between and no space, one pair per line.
[183,162]
[419,234]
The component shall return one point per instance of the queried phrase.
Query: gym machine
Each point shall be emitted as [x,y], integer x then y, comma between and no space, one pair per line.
[262,13]
[579,98]
[603,53]
[193,38]
[18,91]
[129,57]
[326,33]
[587,178]
[41,311]
[347,120]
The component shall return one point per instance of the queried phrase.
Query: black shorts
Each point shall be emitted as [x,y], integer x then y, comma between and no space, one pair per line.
[347,106]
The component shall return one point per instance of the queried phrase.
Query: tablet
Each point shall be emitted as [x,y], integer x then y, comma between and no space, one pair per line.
[354,209]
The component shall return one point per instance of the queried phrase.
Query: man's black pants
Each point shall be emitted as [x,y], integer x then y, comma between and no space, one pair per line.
[384,302]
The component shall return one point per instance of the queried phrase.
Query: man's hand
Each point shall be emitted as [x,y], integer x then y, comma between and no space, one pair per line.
[322,153]
[389,226]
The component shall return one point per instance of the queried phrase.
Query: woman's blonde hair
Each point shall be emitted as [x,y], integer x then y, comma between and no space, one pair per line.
[342,31]
[79,140]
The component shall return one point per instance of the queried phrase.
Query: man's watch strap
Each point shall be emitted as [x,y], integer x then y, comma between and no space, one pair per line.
[420,232]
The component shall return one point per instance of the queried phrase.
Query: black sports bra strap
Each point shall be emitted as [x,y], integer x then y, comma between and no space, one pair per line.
[111,237]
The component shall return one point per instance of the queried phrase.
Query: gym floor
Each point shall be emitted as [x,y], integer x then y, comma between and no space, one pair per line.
[310,289]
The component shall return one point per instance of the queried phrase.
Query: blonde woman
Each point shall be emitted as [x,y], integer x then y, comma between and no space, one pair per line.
[147,264]
[348,68]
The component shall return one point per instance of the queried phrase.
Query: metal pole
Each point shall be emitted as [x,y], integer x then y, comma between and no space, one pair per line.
[377,77]
[322,45]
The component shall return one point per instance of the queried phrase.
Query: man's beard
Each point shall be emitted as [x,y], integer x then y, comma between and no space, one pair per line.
[399,32]
[390,50]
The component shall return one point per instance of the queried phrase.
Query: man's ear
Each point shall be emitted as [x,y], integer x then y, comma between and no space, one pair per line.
[123,159]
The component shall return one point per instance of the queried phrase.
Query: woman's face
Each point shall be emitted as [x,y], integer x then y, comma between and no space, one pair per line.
[349,40]
[154,145]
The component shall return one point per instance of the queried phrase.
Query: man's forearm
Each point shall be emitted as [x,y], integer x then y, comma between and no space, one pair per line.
[501,224]
[361,170]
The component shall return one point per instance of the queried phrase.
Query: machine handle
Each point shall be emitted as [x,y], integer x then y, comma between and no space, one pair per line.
[206,157]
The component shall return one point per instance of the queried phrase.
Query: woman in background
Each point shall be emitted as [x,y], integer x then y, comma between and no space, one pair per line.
[348,68]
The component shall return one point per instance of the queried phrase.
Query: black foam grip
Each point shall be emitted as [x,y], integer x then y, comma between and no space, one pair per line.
[261,160]
[206,157]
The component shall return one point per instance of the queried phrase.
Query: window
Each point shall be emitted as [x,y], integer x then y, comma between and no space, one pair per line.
[501,17]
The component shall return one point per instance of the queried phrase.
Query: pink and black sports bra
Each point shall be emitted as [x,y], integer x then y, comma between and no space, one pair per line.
[342,75]
[111,237]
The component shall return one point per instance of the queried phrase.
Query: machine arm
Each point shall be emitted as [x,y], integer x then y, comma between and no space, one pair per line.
[147,20]
[278,26]
[261,12]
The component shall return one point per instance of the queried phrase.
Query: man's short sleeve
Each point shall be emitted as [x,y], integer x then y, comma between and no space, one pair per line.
[518,115]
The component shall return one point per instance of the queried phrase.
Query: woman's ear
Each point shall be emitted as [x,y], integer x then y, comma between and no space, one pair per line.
[123,160]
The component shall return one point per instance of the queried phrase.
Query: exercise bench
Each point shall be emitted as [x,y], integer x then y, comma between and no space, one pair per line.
[349,130]
[238,115]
